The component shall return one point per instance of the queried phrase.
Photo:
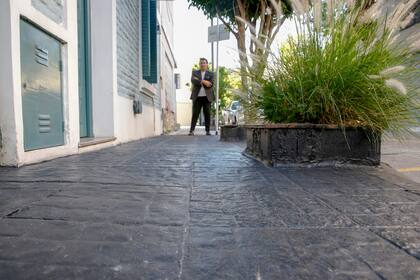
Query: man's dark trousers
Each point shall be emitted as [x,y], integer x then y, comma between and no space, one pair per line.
[198,103]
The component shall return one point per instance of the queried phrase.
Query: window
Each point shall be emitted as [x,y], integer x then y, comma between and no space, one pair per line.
[149,40]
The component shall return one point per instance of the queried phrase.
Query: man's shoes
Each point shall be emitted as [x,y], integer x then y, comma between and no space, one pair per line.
[208,133]
[191,133]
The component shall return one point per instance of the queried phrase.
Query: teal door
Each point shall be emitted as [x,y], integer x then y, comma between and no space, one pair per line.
[84,69]
[42,99]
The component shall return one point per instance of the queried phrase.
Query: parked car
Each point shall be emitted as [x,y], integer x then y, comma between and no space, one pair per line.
[233,114]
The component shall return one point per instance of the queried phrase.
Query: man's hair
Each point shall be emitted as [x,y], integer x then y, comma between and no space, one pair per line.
[203,58]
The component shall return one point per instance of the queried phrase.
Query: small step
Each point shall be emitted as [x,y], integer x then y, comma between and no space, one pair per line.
[91,141]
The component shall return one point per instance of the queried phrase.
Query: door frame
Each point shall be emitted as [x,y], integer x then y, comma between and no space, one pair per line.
[86,64]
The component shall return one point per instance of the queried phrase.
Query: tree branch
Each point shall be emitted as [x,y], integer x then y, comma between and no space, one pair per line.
[279,24]
[241,8]
[229,27]
[262,18]
[252,30]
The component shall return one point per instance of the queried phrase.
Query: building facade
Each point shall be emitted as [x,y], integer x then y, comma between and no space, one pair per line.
[168,65]
[79,75]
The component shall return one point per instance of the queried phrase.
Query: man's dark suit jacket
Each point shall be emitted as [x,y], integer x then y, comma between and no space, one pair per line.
[196,82]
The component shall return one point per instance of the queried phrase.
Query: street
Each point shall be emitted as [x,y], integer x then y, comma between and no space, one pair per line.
[179,207]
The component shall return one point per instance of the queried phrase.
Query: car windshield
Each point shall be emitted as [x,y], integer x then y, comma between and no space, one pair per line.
[234,106]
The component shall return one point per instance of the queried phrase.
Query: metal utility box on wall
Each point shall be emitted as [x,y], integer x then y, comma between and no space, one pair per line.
[137,106]
[42,98]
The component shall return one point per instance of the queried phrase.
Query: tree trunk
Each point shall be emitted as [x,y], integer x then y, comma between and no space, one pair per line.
[243,58]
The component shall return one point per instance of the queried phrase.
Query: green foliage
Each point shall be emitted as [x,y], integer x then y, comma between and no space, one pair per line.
[226,8]
[342,75]
[257,20]
[230,84]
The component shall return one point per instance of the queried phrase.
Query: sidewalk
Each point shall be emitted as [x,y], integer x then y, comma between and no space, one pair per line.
[179,207]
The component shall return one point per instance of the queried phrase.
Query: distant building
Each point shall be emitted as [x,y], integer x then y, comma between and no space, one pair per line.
[80,75]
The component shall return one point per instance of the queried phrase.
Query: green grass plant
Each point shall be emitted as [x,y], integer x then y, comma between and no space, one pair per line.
[346,72]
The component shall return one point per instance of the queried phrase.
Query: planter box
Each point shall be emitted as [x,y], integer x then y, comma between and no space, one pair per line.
[232,133]
[303,144]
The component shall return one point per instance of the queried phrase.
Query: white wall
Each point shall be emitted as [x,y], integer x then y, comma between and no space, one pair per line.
[112,114]
[127,125]
[8,151]
[131,127]
[11,120]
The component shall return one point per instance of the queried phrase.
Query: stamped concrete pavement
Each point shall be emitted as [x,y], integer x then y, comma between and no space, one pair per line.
[179,207]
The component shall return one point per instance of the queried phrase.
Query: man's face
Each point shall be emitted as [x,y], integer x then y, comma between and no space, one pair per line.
[203,65]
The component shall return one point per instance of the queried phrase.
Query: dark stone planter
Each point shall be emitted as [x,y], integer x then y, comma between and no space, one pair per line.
[312,144]
[232,133]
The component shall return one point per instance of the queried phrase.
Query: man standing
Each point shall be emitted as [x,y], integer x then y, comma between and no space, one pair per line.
[202,94]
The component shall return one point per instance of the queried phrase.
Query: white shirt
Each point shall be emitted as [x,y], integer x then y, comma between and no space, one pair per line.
[202,92]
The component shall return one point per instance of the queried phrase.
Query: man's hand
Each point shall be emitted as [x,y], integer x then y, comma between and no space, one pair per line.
[206,83]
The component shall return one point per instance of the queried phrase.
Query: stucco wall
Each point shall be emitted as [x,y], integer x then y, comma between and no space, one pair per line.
[133,127]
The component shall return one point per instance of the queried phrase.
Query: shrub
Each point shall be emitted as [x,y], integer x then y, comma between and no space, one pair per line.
[343,73]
